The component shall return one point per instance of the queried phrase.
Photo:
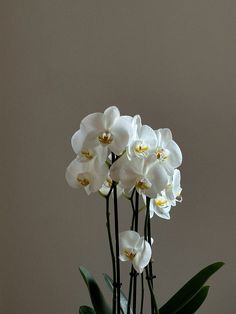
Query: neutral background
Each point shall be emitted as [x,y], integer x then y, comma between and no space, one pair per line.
[173,62]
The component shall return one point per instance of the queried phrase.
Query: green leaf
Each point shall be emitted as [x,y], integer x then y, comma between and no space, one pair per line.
[123,299]
[189,289]
[84,309]
[194,303]
[97,298]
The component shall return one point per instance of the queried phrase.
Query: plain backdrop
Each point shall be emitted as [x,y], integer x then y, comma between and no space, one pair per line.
[172,62]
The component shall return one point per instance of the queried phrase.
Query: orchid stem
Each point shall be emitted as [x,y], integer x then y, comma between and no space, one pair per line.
[118,283]
[142,294]
[111,250]
[130,290]
[132,269]
[135,229]
[149,272]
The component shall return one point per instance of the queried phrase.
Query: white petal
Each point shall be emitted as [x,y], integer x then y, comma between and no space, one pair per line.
[158,178]
[91,140]
[151,207]
[137,123]
[121,131]
[111,114]
[77,141]
[170,192]
[126,171]
[93,121]
[175,157]
[140,244]
[176,184]
[128,239]
[131,173]
[100,173]
[142,258]
[166,137]
[74,169]
[117,167]
[123,257]
[101,152]
[163,212]
[147,135]
[168,167]
[104,190]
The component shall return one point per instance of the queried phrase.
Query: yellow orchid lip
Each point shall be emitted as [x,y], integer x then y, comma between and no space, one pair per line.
[142,185]
[83,181]
[161,154]
[86,154]
[141,149]
[105,138]
[130,254]
[160,202]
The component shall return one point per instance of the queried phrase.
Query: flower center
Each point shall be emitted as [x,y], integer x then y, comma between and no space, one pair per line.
[141,149]
[105,138]
[161,202]
[108,182]
[142,184]
[130,254]
[83,181]
[86,154]
[161,154]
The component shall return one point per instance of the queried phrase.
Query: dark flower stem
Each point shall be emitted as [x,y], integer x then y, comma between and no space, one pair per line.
[118,283]
[130,290]
[142,294]
[149,272]
[132,269]
[111,250]
[135,229]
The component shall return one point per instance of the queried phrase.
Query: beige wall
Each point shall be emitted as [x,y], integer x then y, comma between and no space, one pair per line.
[173,62]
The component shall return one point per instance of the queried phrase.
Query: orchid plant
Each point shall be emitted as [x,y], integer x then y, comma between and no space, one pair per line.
[118,155]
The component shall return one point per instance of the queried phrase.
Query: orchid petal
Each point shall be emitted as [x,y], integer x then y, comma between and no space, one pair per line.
[158,178]
[175,157]
[142,258]
[92,122]
[128,239]
[111,114]
[121,134]
[166,137]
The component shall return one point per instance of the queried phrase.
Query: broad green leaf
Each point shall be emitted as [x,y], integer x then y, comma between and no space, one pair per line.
[193,305]
[123,299]
[189,289]
[84,309]
[97,298]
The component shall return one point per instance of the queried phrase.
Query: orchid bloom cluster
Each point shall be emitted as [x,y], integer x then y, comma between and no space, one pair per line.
[146,160]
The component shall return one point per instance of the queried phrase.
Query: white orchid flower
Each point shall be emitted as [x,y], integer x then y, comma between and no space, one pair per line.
[135,249]
[146,175]
[85,153]
[173,189]
[143,141]
[108,129]
[161,204]
[167,151]
[90,175]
